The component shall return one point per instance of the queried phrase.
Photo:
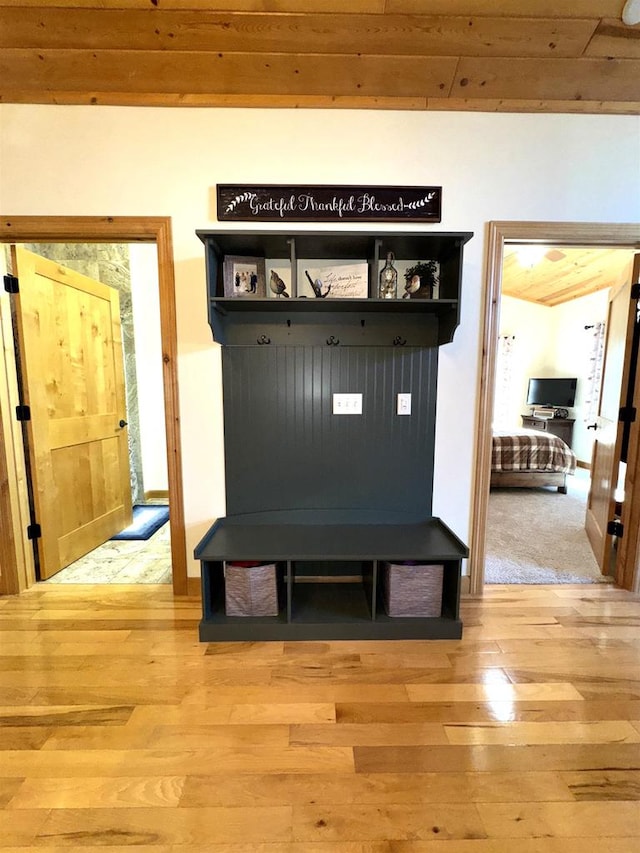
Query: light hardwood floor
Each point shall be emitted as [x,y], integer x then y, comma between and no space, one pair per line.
[119,730]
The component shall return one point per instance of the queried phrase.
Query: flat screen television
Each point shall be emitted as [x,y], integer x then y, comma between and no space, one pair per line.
[552,392]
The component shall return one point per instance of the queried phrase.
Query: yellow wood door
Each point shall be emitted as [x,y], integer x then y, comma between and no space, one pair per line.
[605,458]
[69,338]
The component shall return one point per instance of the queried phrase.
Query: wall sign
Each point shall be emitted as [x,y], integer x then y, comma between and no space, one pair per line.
[299,203]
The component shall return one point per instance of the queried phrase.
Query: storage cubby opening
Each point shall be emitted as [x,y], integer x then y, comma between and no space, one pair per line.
[214,586]
[428,596]
[328,602]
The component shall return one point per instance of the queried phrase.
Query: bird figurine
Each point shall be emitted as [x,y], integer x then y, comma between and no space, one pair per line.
[277,285]
[316,286]
[412,286]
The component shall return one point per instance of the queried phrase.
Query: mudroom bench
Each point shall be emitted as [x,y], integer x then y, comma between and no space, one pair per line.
[329,575]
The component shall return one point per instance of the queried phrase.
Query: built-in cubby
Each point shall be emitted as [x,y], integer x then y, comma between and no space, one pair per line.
[301,321]
[330,498]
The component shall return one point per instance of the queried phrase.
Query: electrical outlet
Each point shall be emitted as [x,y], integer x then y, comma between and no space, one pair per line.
[347,404]
[403,406]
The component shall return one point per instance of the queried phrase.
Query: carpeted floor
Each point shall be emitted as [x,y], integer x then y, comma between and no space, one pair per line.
[538,536]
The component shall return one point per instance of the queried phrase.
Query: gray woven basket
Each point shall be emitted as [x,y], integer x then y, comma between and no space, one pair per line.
[412,590]
[251,591]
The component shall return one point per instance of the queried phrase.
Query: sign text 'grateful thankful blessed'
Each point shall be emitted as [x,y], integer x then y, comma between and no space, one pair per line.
[299,203]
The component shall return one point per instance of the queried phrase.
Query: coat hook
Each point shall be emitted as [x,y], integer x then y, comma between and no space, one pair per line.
[263,339]
[398,341]
[332,342]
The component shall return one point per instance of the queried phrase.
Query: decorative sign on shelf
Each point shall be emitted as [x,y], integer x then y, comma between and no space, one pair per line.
[299,203]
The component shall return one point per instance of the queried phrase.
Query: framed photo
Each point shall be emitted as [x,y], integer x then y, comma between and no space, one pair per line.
[244,278]
[336,281]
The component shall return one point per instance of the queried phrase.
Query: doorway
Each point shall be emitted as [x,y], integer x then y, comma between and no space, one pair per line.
[499,235]
[140,554]
[559,344]
[17,567]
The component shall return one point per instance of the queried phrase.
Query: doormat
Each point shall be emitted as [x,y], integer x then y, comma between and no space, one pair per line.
[147,520]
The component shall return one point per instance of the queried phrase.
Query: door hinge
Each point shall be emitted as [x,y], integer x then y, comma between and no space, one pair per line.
[627,414]
[23,413]
[34,531]
[635,290]
[615,528]
[11,284]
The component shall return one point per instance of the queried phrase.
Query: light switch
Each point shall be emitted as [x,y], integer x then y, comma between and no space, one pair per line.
[347,404]
[403,404]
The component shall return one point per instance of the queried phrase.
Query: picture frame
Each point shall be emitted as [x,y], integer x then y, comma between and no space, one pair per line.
[244,277]
[337,280]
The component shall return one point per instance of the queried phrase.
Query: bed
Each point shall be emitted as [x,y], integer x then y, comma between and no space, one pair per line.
[529,458]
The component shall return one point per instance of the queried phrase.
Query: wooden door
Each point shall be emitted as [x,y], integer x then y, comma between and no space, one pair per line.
[70,346]
[605,458]
[628,552]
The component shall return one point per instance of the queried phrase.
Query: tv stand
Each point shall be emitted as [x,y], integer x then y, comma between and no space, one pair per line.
[560,427]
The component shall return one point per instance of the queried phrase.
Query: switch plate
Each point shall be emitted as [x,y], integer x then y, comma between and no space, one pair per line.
[347,404]
[403,406]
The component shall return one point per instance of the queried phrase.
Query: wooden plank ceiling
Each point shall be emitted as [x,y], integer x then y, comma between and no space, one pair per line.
[553,275]
[490,55]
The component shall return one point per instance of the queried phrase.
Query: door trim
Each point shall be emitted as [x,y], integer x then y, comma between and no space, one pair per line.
[108,229]
[623,236]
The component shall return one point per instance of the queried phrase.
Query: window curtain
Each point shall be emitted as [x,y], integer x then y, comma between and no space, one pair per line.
[594,376]
[504,380]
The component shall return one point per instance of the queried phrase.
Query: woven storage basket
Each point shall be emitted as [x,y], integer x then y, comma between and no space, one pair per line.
[251,591]
[412,590]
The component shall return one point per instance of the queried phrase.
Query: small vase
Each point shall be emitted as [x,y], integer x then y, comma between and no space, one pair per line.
[388,279]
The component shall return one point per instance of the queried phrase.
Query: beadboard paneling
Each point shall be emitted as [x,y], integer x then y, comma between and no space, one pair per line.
[293,453]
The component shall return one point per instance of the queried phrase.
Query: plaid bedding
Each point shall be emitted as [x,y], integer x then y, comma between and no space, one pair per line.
[530,450]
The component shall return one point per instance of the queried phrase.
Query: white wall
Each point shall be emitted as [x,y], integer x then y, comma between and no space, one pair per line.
[552,341]
[132,161]
[148,341]
[573,349]
[533,350]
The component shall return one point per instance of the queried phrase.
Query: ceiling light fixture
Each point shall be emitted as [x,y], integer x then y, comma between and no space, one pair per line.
[530,254]
[631,13]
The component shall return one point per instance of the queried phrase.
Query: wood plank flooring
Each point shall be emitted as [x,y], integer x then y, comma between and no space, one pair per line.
[119,730]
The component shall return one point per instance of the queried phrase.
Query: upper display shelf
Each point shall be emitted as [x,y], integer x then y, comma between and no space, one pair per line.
[333,288]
